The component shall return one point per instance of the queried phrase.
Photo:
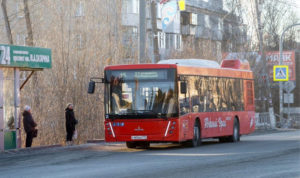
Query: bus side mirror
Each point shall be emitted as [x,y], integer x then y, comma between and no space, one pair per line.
[183,87]
[91,88]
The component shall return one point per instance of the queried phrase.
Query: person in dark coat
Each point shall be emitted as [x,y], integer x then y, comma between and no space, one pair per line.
[70,123]
[29,125]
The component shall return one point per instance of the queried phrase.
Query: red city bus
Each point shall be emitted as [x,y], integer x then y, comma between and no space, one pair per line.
[178,101]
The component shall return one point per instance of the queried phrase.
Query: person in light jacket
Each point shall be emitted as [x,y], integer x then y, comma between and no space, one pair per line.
[29,125]
[70,123]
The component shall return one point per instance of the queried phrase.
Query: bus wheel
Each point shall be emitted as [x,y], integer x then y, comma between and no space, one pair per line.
[131,144]
[197,136]
[236,132]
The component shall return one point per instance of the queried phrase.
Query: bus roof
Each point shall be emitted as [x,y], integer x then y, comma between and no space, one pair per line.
[191,62]
[140,66]
[190,67]
[217,72]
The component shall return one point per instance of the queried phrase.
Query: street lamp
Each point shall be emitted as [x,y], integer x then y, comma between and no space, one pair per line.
[280,63]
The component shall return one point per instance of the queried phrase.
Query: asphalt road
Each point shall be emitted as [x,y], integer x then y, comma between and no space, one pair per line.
[258,155]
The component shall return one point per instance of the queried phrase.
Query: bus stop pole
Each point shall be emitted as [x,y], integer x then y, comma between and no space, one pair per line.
[16,106]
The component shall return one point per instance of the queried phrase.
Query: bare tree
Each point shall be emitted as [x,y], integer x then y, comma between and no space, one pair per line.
[84,37]
[6,20]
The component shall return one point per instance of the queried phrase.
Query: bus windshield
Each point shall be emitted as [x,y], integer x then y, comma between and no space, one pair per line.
[141,93]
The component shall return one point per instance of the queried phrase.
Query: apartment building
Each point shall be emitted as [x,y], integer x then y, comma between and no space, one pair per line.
[204,28]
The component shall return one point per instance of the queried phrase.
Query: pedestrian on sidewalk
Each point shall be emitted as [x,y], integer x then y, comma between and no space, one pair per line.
[70,123]
[29,125]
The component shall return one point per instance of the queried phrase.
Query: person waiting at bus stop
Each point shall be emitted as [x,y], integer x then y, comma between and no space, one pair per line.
[70,123]
[29,125]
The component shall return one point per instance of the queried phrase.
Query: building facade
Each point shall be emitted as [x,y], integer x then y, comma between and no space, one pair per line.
[203,30]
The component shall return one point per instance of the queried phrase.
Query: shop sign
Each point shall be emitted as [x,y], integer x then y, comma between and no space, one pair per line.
[288,59]
[25,57]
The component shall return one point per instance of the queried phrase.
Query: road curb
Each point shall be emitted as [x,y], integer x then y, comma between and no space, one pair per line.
[19,150]
[96,141]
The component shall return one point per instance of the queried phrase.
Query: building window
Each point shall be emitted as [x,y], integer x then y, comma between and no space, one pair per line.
[79,41]
[20,9]
[135,31]
[178,41]
[161,40]
[80,9]
[193,19]
[21,39]
[158,10]
[131,6]
[207,21]
[220,24]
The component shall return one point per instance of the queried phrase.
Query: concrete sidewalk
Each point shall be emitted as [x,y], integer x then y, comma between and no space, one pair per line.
[270,131]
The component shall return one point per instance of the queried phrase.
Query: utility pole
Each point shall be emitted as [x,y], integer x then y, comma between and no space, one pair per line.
[258,6]
[142,31]
[154,32]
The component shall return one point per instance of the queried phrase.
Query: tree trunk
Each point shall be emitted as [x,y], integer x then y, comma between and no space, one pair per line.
[29,39]
[7,25]
[29,42]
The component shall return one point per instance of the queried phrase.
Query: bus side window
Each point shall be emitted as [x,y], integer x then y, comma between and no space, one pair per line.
[184,103]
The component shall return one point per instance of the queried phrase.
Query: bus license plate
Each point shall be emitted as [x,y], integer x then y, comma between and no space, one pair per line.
[138,137]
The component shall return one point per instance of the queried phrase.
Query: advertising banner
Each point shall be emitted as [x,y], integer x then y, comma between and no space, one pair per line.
[168,11]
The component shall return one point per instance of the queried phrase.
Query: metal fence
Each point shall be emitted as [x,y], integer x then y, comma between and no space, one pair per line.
[295,121]
[262,120]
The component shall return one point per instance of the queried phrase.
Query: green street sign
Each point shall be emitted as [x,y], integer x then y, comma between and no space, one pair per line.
[25,57]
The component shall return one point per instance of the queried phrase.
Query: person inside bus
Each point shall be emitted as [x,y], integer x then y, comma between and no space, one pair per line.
[158,102]
[169,103]
[116,91]
[201,104]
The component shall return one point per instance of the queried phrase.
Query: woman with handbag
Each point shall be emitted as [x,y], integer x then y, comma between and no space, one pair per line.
[70,123]
[29,126]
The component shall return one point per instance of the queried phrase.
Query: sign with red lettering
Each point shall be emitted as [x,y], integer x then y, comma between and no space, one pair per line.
[163,1]
[288,58]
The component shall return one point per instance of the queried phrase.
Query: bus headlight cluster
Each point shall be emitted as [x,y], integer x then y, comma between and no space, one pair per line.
[108,128]
[172,128]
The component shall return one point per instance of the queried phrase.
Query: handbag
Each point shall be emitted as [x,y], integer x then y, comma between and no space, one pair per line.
[75,135]
[35,132]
